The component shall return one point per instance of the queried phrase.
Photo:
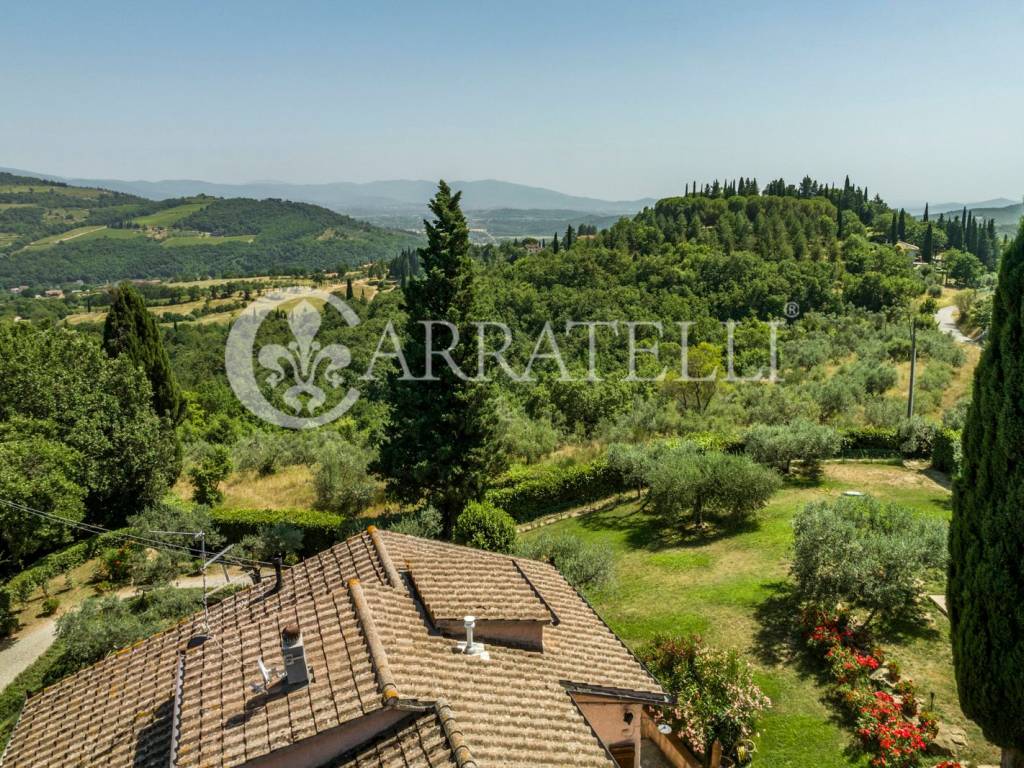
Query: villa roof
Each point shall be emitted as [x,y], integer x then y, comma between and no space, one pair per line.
[380,670]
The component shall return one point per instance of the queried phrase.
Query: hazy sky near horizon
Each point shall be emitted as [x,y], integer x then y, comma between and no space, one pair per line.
[918,100]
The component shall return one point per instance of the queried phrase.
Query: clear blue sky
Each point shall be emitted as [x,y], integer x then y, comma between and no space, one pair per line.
[616,100]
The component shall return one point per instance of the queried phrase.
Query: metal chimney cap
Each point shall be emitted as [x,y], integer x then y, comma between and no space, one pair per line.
[469,621]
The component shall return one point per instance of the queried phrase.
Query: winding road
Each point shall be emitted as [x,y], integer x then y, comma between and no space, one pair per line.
[945,319]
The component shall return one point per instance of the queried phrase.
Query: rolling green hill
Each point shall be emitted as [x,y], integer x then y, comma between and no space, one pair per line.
[54,233]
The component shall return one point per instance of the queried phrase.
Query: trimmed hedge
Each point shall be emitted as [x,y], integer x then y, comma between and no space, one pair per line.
[527,494]
[870,441]
[56,563]
[320,529]
[946,451]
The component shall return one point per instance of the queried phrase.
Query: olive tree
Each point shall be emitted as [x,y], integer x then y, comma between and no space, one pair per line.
[688,486]
[779,446]
[866,554]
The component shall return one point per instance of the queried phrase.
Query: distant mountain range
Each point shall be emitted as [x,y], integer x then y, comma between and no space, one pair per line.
[998,202]
[383,197]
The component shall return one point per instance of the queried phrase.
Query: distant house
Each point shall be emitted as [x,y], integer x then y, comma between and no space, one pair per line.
[54,293]
[910,249]
[532,245]
[358,657]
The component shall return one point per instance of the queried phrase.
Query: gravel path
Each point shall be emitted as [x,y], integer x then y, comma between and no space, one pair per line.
[25,649]
[945,318]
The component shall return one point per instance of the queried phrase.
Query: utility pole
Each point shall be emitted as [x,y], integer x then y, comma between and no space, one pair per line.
[913,366]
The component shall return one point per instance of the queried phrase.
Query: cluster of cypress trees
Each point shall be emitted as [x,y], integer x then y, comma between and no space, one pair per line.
[971,234]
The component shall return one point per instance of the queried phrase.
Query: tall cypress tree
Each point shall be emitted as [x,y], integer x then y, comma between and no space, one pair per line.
[893,232]
[349,294]
[927,252]
[901,230]
[985,591]
[441,440]
[131,330]
[925,218]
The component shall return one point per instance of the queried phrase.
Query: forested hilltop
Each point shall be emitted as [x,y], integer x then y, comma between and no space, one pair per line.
[53,234]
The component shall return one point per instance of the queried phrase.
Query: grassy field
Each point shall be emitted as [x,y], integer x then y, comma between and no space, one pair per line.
[71,234]
[288,488]
[734,590]
[180,240]
[169,216]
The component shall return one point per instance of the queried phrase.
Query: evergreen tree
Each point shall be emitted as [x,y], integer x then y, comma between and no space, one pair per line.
[349,295]
[925,218]
[441,442]
[901,231]
[554,243]
[568,238]
[131,330]
[985,590]
[893,230]
[927,252]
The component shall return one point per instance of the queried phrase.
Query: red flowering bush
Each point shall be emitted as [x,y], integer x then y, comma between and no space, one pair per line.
[949,764]
[896,742]
[888,725]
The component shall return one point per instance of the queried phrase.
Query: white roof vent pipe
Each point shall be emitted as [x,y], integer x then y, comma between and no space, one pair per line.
[467,646]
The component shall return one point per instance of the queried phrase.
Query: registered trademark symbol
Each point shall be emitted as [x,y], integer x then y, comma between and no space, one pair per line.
[792,310]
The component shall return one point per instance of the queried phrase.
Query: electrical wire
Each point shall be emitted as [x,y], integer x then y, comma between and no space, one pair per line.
[94,529]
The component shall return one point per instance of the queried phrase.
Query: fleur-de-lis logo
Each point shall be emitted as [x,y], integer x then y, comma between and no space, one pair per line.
[308,367]
[304,356]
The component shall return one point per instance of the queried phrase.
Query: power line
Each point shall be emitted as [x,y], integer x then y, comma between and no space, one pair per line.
[94,529]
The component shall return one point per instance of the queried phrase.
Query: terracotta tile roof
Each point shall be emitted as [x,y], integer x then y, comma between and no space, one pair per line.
[484,587]
[372,649]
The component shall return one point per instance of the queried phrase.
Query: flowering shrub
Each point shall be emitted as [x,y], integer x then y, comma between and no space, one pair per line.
[717,698]
[896,742]
[888,725]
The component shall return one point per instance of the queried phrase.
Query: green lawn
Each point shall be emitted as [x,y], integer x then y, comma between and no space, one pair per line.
[733,590]
[169,216]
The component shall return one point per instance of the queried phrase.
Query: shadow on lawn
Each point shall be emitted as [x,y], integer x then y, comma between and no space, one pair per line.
[644,530]
[777,640]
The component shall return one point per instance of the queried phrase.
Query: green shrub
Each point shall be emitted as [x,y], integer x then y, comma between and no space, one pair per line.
[279,539]
[915,437]
[320,530]
[207,475]
[21,586]
[865,554]
[484,526]
[49,606]
[870,441]
[529,494]
[8,619]
[341,481]
[425,522]
[585,566]
[946,451]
